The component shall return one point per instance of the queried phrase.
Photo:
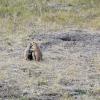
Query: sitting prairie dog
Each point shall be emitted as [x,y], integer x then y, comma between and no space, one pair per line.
[36,52]
[28,52]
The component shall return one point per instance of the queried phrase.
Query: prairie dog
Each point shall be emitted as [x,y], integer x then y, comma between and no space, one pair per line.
[28,52]
[36,52]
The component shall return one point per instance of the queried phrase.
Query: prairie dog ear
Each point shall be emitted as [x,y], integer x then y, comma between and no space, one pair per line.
[34,43]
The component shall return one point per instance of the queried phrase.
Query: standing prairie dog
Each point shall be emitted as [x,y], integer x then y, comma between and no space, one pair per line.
[28,52]
[36,52]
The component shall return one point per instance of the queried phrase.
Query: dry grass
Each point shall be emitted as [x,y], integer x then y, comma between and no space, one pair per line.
[19,15]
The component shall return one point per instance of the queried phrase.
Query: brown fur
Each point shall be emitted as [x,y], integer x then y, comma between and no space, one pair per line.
[36,52]
[28,52]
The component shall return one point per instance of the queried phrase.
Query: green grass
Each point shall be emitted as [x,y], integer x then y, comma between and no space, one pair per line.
[17,13]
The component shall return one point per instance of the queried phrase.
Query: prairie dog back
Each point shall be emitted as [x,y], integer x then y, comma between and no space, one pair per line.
[28,52]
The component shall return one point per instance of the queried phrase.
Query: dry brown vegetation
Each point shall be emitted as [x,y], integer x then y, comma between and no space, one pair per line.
[70,69]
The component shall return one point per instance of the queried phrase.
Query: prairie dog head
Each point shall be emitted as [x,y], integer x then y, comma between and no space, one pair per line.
[34,45]
[29,45]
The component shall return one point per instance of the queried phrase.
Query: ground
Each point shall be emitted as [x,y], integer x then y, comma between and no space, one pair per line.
[70,69]
[68,33]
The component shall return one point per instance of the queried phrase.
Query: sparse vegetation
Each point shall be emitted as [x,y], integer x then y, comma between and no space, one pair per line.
[15,14]
[70,69]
